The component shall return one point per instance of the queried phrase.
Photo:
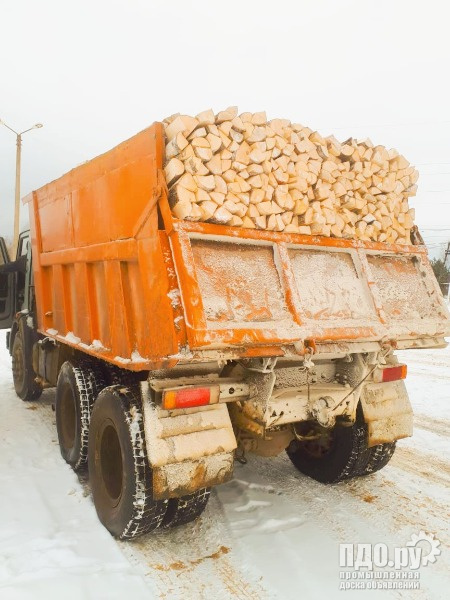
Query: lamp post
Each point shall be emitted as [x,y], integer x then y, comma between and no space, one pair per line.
[17,190]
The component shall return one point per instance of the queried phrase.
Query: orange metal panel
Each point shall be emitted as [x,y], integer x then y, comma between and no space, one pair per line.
[56,224]
[116,250]
[99,302]
[100,284]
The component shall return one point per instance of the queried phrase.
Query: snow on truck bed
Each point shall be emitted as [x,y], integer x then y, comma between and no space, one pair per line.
[269,533]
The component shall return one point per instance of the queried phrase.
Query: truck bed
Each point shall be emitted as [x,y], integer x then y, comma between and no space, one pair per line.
[118,277]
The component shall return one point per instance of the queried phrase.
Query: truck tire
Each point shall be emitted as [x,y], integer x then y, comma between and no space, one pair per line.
[77,387]
[186,509]
[379,456]
[344,454]
[25,384]
[339,456]
[119,471]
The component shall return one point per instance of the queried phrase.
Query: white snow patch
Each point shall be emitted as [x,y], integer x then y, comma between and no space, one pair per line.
[174,296]
[122,360]
[252,505]
[136,357]
[136,418]
[97,345]
[72,338]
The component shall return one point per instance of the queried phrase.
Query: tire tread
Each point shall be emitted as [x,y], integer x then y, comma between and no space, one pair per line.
[187,508]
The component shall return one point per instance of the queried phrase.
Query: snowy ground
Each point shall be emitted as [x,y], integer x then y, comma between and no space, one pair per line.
[269,533]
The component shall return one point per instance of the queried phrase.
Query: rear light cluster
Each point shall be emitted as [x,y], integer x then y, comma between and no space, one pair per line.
[189,397]
[390,373]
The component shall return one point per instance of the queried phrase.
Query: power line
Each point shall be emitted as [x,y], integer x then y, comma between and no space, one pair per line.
[398,124]
[432,163]
[438,173]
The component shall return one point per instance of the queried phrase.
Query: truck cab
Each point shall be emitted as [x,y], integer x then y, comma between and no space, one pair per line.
[15,286]
[6,289]
[17,313]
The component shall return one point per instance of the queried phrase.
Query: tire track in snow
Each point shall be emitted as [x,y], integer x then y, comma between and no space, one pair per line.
[195,561]
[205,576]
[427,466]
[401,506]
[221,581]
[438,426]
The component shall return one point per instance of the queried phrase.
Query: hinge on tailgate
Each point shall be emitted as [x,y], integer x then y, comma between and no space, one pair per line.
[389,345]
[306,347]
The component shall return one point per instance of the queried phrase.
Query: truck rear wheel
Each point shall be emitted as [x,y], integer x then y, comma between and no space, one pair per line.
[340,453]
[379,456]
[186,509]
[119,472]
[76,390]
[25,384]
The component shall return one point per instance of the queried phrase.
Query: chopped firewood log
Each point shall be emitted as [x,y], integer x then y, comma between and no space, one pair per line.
[183,124]
[245,171]
[206,117]
[173,170]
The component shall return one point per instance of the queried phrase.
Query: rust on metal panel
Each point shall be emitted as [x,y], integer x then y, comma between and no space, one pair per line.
[390,429]
[174,481]
[293,238]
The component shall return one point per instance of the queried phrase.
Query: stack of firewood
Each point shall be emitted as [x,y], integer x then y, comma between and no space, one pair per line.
[245,171]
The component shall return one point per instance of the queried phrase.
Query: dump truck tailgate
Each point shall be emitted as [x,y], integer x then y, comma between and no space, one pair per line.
[255,287]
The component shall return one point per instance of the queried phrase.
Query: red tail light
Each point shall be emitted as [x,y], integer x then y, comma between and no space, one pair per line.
[186,398]
[389,373]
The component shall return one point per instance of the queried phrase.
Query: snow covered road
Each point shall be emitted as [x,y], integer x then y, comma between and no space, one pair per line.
[269,533]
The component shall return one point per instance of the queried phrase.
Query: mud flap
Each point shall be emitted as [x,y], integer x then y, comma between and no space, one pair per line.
[188,449]
[387,412]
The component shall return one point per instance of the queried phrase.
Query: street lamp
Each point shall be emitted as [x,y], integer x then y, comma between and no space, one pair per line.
[17,192]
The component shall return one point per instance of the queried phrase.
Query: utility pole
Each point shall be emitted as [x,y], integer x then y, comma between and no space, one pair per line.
[447,254]
[17,187]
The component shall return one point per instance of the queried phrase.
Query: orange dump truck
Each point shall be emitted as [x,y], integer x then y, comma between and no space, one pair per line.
[177,346]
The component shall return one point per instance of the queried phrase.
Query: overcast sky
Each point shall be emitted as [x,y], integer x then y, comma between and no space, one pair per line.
[95,72]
